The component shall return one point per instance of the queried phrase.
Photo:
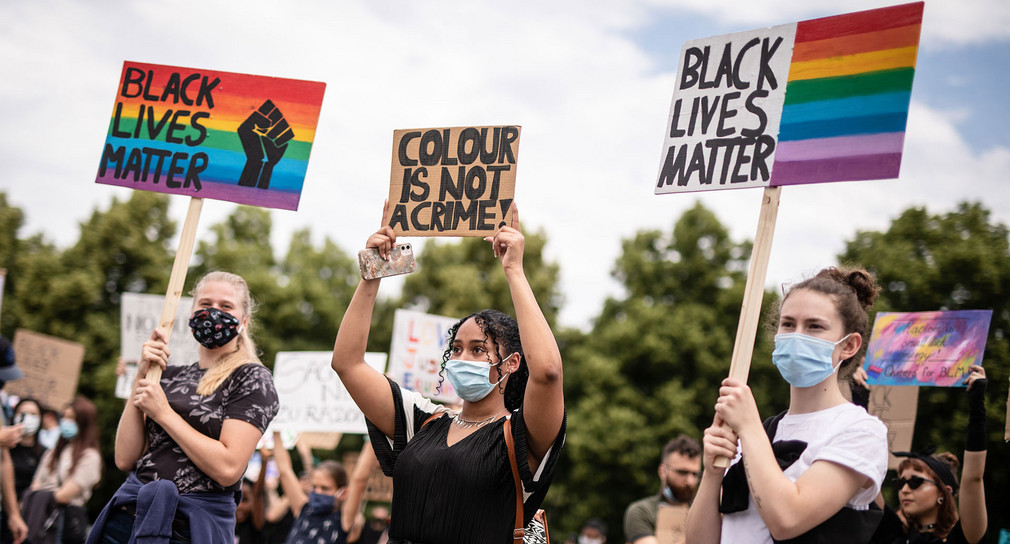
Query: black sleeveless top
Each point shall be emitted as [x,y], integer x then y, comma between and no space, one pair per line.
[462,493]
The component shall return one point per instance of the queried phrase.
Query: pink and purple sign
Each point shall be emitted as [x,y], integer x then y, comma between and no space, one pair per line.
[210,134]
[926,348]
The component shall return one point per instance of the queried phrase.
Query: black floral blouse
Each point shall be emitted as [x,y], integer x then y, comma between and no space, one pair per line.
[247,395]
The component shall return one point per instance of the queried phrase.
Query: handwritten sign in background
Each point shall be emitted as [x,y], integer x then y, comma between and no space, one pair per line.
[415,353]
[457,181]
[312,397]
[926,348]
[138,316]
[211,134]
[51,366]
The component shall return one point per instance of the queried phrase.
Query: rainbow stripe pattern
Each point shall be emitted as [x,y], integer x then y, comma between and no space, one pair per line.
[847,97]
[177,130]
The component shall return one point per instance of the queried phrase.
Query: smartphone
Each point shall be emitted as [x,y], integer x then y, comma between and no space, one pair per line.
[401,261]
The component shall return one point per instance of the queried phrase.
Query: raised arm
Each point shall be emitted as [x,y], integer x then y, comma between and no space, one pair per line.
[544,402]
[788,508]
[356,486]
[289,480]
[367,386]
[131,437]
[971,505]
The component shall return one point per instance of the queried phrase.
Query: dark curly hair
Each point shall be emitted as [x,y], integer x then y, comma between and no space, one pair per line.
[502,332]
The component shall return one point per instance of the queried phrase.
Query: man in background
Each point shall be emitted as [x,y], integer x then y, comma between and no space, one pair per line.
[659,519]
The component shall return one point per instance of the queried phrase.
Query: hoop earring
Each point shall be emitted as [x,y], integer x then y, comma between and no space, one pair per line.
[939,501]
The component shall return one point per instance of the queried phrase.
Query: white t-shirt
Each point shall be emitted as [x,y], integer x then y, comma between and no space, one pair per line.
[843,434]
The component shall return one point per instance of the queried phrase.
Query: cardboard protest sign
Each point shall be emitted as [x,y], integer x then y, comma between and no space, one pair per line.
[896,407]
[415,353]
[814,101]
[311,396]
[455,181]
[926,348]
[51,366]
[671,522]
[210,134]
[138,316]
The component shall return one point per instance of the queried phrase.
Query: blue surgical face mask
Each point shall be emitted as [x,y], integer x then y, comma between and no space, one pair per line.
[30,422]
[469,379]
[804,361]
[68,428]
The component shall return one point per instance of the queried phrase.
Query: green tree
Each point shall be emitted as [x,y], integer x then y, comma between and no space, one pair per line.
[651,366]
[958,260]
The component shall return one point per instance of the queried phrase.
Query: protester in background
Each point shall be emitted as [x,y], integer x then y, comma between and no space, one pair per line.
[466,453]
[593,531]
[929,490]
[49,434]
[28,452]
[188,438]
[376,530]
[12,528]
[69,471]
[834,453]
[249,514]
[679,471]
[327,513]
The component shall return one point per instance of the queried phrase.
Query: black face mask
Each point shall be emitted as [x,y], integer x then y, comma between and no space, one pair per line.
[213,328]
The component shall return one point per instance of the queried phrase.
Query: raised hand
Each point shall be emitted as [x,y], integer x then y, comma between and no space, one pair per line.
[264,135]
[508,243]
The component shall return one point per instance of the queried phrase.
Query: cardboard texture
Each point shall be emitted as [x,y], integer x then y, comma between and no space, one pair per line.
[456,181]
[51,366]
[897,408]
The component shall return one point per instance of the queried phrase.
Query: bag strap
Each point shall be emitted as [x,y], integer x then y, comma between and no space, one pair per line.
[431,418]
[519,531]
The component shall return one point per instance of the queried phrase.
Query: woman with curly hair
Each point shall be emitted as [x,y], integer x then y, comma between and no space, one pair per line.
[812,472]
[452,476]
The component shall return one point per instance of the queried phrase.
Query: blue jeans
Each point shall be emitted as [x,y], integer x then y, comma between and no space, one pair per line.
[119,525]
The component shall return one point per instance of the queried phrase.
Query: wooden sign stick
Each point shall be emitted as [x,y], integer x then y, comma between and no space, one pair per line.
[750,310]
[178,277]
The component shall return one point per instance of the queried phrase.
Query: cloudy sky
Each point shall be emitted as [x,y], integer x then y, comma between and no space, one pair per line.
[590,82]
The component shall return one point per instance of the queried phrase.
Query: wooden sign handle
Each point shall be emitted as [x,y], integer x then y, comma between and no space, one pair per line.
[750,310]
[178,277]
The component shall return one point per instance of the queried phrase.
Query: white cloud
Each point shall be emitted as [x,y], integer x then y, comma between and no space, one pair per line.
[591,102]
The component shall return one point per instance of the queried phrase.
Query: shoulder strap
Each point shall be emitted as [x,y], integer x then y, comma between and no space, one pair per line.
[519,531]
[432,417]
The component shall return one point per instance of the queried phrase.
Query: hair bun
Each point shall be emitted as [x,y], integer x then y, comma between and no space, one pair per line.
[865,286]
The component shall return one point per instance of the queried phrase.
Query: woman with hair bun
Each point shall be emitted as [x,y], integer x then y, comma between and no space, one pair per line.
[812,472]
[452,476]
[186,439]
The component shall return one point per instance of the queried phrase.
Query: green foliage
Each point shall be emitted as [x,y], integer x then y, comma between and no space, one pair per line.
[650,368]
[954,261]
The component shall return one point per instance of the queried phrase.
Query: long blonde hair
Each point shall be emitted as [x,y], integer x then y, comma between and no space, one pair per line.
[246,351]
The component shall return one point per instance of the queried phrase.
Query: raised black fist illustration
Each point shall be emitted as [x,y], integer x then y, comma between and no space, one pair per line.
[265,136]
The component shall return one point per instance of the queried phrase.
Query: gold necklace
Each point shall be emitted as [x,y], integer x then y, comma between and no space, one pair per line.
[464,423]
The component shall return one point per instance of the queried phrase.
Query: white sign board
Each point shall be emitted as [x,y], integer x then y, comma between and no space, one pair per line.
[415,353]
[721,132]
[139,315]
[312,397]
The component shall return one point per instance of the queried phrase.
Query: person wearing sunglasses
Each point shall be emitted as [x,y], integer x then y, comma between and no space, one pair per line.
[929,490]
[679,471]
[812,472]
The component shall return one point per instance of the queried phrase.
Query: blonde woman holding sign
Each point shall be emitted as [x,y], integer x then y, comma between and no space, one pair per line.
[812,472]
[187,438]
[452,480]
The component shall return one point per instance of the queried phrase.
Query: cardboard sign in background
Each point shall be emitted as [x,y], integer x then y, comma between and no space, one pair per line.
[210,134]
[312,397]
[415,353]
[457,181]
[816,101]
[51,366]
[896,407]
[671,522]
[926,348]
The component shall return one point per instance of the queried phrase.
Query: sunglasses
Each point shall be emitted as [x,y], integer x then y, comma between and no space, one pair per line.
[913,483]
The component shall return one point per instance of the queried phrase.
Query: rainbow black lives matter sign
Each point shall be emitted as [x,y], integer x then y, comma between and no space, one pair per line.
[209,134]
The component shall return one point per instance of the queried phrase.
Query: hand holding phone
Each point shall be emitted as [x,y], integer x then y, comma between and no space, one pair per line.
[373,266]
